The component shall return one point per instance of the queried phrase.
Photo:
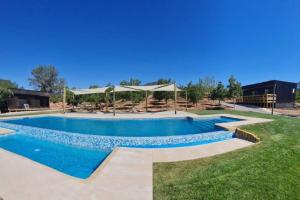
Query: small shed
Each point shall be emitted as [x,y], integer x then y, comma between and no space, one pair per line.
[27,100]
[261,94]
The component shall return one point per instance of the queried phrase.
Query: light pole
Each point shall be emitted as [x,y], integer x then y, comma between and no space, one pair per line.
[186,99]
[114,99]
[64,100]
[175,97]
[273,98]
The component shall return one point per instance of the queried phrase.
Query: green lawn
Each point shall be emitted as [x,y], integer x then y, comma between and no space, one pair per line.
[268,170]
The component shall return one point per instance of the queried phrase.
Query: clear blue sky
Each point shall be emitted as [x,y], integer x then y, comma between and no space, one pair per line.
[96,42]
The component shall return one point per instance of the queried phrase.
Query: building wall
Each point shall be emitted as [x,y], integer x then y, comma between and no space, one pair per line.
[285,91]
[18,101]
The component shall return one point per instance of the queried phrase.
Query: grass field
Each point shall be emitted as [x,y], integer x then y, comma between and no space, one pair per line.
[268,170]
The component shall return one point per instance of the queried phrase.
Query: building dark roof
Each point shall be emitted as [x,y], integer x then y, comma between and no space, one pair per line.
[29,92]
[270,83]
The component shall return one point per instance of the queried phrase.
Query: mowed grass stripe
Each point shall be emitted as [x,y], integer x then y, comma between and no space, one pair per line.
[268,170]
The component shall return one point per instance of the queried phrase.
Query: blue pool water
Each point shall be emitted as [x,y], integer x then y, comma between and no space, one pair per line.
[78,162]
[78,146]
[128,127]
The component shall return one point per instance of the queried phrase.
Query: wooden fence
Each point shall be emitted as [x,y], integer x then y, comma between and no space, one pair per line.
[265,100]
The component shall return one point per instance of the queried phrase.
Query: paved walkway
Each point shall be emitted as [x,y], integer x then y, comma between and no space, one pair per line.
[248,108]
[126,174]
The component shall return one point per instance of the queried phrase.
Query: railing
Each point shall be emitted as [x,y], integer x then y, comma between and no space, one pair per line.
[265,100]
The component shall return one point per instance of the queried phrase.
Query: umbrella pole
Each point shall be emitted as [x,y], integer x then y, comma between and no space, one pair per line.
[175,97]
[114,99]
[146,101]
[106,102]
[64,100]
[131,99]
[73,102]
[186,100]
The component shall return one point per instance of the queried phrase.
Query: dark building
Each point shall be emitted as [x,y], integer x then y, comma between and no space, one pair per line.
[262,93]
[26,100]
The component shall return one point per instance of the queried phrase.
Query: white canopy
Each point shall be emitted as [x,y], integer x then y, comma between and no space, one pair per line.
[96,90]
[78,92]
[123,89]
[168,88]
[145,88]
[90,91]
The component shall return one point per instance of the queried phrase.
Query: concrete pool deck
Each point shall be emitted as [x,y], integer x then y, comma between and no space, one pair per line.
[125,174]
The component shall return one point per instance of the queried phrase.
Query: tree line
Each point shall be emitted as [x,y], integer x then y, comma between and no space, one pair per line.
[46,78]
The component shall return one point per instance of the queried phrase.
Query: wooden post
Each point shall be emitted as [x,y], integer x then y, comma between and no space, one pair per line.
[273,100]
[131,99]
[64,100]
[175,97]
[234,103]
[114,100]
[186,99]
[73,102]
[106,102]
[146,101]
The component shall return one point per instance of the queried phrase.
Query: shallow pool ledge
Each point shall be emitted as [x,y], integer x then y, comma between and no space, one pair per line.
[232,126]
[4,131]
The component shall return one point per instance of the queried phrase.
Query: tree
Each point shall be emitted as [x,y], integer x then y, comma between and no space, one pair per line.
[194,91]
[207,84]
[8,84]
[131,82]
[94,86]
[94,98]
[45,78]
[134,96]
[219,93]
[5,92]
[163,95]
[70,98]
[234,88]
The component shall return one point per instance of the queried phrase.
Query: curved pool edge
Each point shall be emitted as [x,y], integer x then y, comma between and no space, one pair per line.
[177,149]
[110,142]
[133,166]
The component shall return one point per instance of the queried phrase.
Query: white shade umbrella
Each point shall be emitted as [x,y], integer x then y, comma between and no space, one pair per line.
[120,89]
[145,87]
[168,88]
[123,89]
[90,91]
[78,92]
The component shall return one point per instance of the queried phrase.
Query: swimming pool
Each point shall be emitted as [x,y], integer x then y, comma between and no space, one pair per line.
[126,127]
[77,146]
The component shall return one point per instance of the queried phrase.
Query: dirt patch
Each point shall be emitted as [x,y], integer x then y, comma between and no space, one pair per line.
[290,112]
